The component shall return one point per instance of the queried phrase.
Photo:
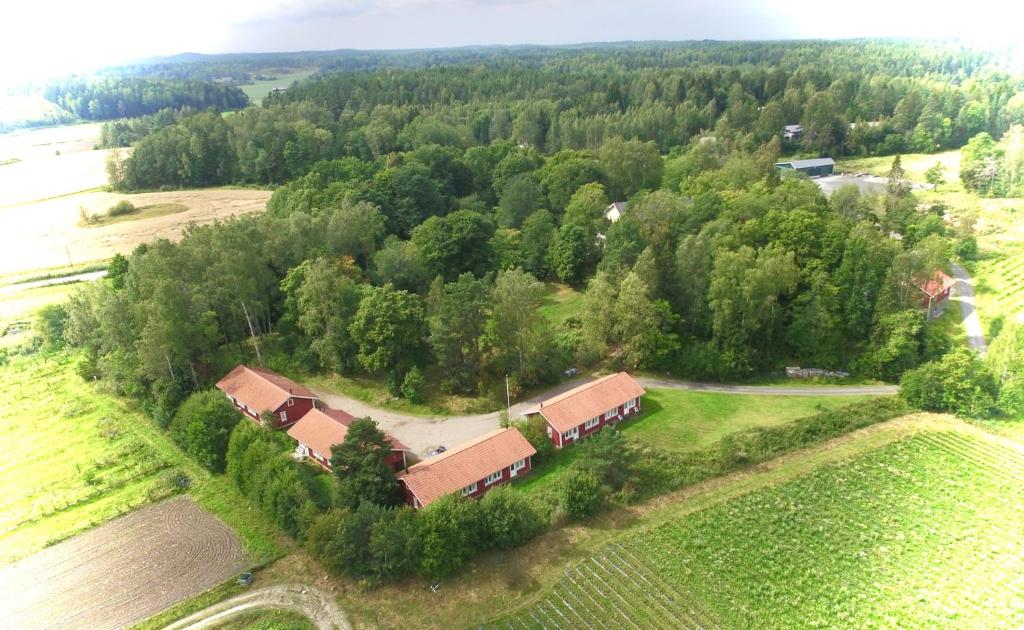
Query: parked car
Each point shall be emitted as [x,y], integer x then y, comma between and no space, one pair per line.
[571,372]
[436,451]
[245,579]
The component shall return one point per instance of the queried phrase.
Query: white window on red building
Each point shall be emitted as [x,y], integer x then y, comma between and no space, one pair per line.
[630,405]
[521,464]
[590,424]
[492,478]
[291,401]
[572,434]
[284,416]
[470,489]
[611,413]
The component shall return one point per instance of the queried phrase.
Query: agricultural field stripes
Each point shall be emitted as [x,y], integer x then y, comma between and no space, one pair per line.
[923,532]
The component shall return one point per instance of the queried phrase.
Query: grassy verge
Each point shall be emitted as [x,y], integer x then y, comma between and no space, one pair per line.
[50,273]
[372,390]
[190,606]
[267,619]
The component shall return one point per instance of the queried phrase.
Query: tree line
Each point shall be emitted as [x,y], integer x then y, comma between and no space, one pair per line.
[106,98]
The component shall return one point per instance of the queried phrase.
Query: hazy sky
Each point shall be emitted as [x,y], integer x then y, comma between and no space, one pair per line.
[63,35]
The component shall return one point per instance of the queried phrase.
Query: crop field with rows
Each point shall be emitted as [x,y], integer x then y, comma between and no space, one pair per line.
[924,532]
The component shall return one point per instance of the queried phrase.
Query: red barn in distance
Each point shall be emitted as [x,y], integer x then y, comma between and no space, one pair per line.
[577,413]
[321,429]
[255,390]
[471,469]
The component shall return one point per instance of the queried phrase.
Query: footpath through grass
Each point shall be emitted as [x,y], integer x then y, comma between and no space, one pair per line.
[73,457]
[923,532]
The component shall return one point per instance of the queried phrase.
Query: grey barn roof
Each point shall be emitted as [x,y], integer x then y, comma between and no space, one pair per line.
[808,163]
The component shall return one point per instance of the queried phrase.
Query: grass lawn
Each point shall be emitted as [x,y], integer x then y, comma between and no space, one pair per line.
[74,457]
[560,302]
[924,531]
[145,212]
[680,420]
[372,390]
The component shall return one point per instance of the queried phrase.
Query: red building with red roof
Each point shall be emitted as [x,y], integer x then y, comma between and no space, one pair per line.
[256,390]
[470,469]
[935,290]
[577,413]
[321,429]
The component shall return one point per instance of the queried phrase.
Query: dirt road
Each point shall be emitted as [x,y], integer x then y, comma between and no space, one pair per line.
[964,290]
[424,433]
[309,601]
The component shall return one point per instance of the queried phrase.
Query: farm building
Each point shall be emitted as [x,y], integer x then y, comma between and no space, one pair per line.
[255,390]
[935,290]
[472,468]
[792,132]
[812,168]
[615,210]
[586,409]
[320,429]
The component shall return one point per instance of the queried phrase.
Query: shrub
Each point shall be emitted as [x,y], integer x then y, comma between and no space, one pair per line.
[51,320]
[534,429]
[582,494]
[412,385]
[509,518]
[121,208]
[451,534]
[202,428]
[958,382]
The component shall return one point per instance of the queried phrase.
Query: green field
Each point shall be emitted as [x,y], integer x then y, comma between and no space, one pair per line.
[145,212]
[923,532]
[74,457]
[257,90]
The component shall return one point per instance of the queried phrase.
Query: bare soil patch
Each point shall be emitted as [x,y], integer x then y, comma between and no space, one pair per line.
[123,572]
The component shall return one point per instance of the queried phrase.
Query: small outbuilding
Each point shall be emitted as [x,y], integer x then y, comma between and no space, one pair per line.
[586,409]
[470,469]
[935,290]
[615,210]
[321,429]
[817,167]
[255,390]
[792,132]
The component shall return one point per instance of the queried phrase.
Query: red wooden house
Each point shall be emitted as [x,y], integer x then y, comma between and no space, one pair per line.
[256,390]
[321,429]
[934,290]
[577,413]
[471,469]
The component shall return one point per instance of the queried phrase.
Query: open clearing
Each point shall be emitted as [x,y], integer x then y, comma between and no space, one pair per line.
[925,531]
[258,90]
[680,420]
[122,572]
[47,233]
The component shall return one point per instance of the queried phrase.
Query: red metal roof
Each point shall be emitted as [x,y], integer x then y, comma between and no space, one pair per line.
[321,429]
[466,464]
[261,389]
[576,406]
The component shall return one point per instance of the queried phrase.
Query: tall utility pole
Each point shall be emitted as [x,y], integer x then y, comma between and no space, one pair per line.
[508,399]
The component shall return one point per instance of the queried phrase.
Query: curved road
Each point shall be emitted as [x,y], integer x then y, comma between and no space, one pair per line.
[964,289]
[424,433]
[314,604]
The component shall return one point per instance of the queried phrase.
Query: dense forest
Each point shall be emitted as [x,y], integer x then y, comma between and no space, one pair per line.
[422,209]
[129,97]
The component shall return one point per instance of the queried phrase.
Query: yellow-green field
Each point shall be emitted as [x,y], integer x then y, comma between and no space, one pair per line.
[74,457]
[258,90]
